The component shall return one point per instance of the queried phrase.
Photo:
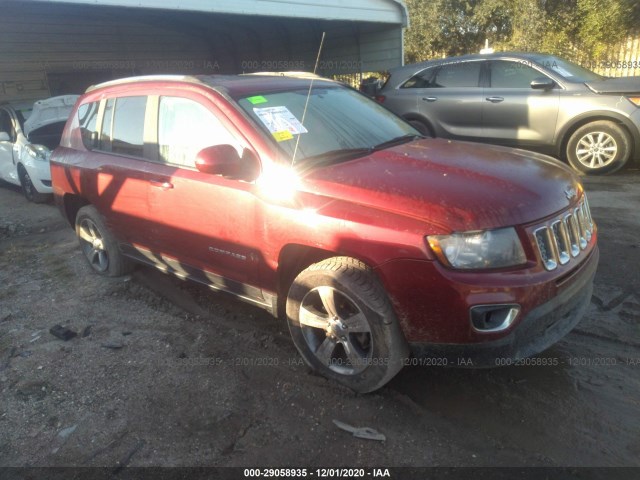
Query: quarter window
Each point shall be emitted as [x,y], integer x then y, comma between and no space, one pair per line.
[185,127]
[87,118]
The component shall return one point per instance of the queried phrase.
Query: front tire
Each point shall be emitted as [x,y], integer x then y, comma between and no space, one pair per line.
[99,246]
[422,127]
[599,148]
[28,189]
[343,325]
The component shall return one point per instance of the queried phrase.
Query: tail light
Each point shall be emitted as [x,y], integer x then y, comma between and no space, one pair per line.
[380,98]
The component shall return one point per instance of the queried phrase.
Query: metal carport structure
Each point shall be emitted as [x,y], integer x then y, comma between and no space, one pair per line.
[52,47]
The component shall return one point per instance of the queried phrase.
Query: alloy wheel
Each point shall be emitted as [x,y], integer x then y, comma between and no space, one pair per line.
[93,246]
[596,150]
[336,330]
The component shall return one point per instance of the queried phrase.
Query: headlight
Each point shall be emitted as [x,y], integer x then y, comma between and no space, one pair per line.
[479,250]
[38,152]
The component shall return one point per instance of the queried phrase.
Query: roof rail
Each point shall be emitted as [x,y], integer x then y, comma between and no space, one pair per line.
[145,78]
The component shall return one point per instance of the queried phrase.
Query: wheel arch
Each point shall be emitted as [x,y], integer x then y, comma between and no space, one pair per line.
[580,121]
[70,204]
[294,258]
[421,118]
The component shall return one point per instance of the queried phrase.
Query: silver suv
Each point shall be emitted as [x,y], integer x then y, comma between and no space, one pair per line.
[528,100]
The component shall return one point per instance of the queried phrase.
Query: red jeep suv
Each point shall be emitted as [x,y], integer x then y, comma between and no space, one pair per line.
[306,198]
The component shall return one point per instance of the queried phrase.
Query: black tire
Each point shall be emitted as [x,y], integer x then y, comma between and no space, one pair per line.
[29,190]
[99,246]
[338,306]
[599,148]
[422,127]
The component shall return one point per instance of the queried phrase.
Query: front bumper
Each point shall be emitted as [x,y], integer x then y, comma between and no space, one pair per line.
[538,330]
[40,173]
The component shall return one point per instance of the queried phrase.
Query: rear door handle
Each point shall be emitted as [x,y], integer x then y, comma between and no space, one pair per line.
[495,99]
[429,99]
[161,184]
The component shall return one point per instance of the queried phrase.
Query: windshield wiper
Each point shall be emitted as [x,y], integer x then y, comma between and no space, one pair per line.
[343,154]
[396,141]
[338,155]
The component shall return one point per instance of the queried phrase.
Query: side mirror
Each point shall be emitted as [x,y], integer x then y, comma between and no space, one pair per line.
[370,86]
[224,160]
[4,137]
[542,83]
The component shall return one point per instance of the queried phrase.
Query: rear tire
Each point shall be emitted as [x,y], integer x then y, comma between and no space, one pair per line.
[343,325]
[599,148]
[28,189]
[99,246]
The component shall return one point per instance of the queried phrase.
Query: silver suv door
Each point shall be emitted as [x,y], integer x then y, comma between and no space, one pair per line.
[448,97]
[513,113]
[452,100]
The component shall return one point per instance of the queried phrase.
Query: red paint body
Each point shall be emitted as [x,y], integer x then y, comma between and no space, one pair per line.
[378,208]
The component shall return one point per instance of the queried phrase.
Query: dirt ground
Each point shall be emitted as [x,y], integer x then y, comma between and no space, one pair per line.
[167,373]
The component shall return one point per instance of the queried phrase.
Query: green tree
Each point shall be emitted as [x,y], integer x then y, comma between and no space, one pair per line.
[581,30]
[441,28]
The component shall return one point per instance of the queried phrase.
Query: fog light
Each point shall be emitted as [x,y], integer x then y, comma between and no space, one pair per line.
[493,318]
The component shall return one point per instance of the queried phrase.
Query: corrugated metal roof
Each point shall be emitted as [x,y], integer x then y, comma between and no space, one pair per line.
[378,11]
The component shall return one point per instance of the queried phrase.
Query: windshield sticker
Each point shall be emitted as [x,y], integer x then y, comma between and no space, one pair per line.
[258,99]
[278,119]
[282,135]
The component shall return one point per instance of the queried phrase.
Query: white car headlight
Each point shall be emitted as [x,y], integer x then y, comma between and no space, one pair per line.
[38,152]
[479,250]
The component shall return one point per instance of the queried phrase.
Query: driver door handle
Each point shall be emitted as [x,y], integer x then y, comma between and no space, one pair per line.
[429,99]
[495,99]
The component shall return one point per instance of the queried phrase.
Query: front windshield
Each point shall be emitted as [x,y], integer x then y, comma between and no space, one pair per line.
[337,121]
[570,71]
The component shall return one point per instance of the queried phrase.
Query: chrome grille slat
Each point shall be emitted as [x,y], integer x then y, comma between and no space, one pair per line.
[561,236]
[574,234]
[565,237]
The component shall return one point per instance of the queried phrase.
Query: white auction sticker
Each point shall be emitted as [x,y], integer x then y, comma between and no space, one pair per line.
[279,119]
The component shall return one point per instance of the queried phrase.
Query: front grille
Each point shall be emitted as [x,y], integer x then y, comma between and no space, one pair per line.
[563,238]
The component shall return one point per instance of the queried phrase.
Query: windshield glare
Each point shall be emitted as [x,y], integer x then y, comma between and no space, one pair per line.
[336,119]
[568,70]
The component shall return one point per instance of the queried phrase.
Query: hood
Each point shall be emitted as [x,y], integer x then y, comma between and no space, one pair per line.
[453,186]
[49,111]
[615,85]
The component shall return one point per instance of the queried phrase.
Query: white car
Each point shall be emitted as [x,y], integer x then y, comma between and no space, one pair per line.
[28,134]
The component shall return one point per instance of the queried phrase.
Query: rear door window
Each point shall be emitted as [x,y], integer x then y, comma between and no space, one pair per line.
[123,126]
[420,80]
[457,75]
[127,134]
[107,125]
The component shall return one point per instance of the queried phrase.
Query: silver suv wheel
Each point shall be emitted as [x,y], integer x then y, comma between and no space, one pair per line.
[596,150]
[599,147]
